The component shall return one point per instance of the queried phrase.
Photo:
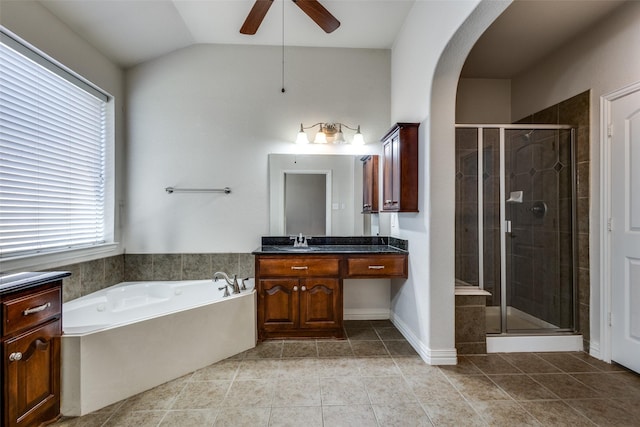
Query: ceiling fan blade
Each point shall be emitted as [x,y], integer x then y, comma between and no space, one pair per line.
[319,14]
[255,16]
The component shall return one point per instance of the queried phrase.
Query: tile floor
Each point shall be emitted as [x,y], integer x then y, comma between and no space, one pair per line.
[374,378]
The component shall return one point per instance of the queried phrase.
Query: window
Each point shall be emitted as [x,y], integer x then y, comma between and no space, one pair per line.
[53,136]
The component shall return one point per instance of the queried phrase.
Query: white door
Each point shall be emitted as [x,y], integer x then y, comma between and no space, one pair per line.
[625,230]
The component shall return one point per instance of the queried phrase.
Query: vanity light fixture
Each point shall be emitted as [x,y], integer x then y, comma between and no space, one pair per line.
[330,132]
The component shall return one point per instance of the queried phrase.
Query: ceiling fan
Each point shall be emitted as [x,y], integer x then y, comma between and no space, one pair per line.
[312,8]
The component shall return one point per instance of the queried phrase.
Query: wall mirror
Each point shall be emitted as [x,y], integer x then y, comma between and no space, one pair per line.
[300,203]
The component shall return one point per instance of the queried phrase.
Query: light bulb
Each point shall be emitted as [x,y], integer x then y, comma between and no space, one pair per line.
[358,138]
[302,136]
[321,138]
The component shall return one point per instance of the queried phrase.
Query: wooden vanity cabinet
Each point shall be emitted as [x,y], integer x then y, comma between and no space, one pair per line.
[30,374]
[369,184]
[299,296]
[400,168]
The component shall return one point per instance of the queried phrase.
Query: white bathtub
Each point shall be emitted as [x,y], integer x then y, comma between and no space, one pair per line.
[133,336]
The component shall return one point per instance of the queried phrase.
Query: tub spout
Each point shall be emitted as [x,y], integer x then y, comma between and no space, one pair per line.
[231,282]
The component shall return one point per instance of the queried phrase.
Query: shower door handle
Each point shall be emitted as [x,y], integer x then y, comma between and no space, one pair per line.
[507,226]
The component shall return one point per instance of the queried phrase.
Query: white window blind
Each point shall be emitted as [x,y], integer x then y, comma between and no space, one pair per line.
[52,156]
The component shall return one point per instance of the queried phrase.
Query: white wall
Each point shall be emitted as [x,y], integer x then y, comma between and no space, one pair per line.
[603,59]
[36,25]
[426,64]
[208,116]
[483,101]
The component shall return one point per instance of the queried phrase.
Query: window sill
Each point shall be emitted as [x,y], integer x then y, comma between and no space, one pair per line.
[50,260]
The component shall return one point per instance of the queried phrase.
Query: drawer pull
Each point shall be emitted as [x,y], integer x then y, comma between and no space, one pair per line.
[14,357]
[36,309]
[376,267]
[304,267]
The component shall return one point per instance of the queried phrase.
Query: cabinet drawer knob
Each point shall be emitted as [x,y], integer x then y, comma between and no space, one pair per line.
[304,288]
[13,357]
[295,289]
[387,202]
[36,309]
[376,267]
[304,267]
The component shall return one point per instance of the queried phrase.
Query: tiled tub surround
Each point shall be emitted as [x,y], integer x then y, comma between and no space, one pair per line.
[374,379]
[91,276]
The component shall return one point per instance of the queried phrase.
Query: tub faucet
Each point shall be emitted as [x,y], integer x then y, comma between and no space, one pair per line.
[231,282]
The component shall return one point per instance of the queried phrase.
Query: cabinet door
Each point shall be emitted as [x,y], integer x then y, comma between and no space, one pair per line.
[32,363]
[320,303]
[387,176]
[278,304]
[370,184]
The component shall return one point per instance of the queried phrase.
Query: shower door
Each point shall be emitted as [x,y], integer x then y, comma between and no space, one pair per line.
[538,242]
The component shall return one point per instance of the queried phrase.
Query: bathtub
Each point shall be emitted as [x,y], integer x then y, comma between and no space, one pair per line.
[133,336]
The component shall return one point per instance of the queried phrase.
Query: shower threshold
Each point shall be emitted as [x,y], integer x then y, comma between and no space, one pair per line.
[556,341]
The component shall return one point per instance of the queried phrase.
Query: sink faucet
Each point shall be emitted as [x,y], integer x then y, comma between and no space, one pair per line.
[300,241]
[231,282]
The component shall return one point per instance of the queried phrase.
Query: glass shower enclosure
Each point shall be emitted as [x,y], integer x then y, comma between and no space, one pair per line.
[515,235]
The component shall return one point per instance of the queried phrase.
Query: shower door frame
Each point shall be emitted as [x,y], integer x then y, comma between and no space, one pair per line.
[504,226]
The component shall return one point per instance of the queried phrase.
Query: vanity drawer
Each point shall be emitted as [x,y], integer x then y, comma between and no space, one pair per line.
[299,266]
[380,266]
[28,311]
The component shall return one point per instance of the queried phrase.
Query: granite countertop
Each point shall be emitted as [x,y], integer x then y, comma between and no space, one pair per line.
[20,281]
[281,245]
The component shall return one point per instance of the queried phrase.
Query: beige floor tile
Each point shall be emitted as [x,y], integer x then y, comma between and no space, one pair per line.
[160,397]
[243,417]
[202,395]
[478,387]
[299,349]
[307,416]
[387,333]
[250,393]
[493,364]
[135,418]
[90,420]
[601,365]
[400,348]
[522,387]
[334,349]
[604,412]
[296,392]
[369,348]
[357,324]
[414,365]
[382,323]
[504,413]
[223,370]
[530,363]
[349,416]
[610,385]
[343,391]
[265,350]
[452,413]
[567,362]
[463,367]
[383,390]
[377,366]
[337,367]
[565,386]
[368,334]
[258,369]
[190,418]
[432,387]
[298,368]
[630,405]
[556,413]
[409,415]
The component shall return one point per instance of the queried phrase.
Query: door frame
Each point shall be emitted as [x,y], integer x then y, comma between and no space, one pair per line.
[606,100]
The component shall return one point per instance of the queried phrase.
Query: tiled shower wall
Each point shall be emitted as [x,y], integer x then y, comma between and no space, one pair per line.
[91,276]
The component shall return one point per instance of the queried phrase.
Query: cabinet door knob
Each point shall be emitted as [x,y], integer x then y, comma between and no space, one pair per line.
[304,288]
[13,357]
[295,289]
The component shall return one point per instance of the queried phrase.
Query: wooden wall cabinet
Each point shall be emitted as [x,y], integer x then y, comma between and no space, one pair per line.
[31,330]
[369,184]
[400,168]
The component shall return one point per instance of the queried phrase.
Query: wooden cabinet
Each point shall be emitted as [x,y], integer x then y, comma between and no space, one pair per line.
[391,266]
[369,184]
[31,330]
[400,168]
[299,296]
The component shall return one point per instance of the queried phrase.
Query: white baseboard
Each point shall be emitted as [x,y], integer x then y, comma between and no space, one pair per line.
[529,343]
[432,357]
[366,314]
